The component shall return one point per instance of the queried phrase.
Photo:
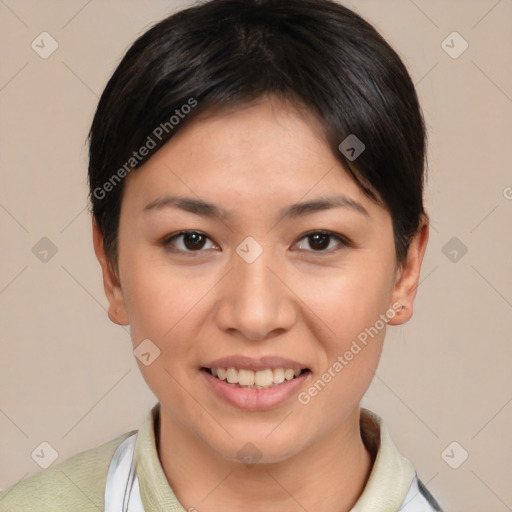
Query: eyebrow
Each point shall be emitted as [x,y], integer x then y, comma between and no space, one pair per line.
[206,209]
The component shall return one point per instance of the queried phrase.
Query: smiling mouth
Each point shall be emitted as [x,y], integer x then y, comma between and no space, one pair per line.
[260,379]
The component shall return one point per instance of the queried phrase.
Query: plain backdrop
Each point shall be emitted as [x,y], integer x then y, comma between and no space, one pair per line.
[68,376]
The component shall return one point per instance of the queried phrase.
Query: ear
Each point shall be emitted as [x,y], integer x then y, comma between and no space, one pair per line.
[407,279]
[117,309]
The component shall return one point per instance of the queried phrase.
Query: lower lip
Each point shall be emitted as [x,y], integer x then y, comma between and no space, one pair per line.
[255,399]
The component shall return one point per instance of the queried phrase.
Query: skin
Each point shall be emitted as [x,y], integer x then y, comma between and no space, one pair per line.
[292,301]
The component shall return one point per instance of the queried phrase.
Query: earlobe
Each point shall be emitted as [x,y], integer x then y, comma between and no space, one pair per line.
[113,291]
[407,280]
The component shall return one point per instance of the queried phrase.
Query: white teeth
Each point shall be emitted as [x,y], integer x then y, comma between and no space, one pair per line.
[289,373]
[246,378]
[263,378]
[278,375]
[255,379]
[232,375]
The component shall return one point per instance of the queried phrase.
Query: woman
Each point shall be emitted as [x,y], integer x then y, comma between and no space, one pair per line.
[256,179]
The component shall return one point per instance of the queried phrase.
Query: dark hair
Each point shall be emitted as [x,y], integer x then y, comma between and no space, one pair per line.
[225,53]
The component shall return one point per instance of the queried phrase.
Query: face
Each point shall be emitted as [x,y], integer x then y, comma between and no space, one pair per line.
[253,284]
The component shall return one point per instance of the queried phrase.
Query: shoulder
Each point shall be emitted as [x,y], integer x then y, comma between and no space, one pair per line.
[78,483]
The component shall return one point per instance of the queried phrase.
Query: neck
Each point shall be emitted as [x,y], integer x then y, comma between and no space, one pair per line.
[329,475]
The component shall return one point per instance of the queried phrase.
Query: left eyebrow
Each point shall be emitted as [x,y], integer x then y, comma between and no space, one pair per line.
[321,203]
[206,209]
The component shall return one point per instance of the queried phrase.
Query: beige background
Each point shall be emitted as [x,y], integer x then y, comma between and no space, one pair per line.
[68,376]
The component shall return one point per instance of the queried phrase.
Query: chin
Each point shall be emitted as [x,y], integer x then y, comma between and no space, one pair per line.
[257,450]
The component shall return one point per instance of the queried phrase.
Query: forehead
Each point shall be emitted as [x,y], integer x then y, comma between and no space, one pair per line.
[258,156]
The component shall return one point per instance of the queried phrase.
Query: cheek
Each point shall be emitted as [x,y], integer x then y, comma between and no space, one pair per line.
[166,310]
[167,306]
[347,311]
[155,299]
[346,302]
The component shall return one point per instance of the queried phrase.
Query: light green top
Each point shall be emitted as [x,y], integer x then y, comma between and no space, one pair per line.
[78,483]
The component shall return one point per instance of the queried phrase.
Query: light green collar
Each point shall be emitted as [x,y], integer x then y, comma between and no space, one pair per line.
[385,490]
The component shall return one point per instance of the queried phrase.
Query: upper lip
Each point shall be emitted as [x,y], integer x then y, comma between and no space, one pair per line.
[250,363]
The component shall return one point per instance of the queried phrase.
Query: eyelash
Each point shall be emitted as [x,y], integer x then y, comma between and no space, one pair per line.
[343,241]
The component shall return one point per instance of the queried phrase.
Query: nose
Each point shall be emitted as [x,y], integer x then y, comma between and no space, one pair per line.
[255,300]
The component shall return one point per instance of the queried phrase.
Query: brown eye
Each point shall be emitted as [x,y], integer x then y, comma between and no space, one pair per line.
[186,241]
[319,241]
[193,241]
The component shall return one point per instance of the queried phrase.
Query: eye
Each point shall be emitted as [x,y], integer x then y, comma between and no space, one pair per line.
[320,240]
[195,241]
[186,241]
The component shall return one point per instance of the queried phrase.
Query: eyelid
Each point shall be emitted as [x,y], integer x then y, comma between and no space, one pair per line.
[343,241]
